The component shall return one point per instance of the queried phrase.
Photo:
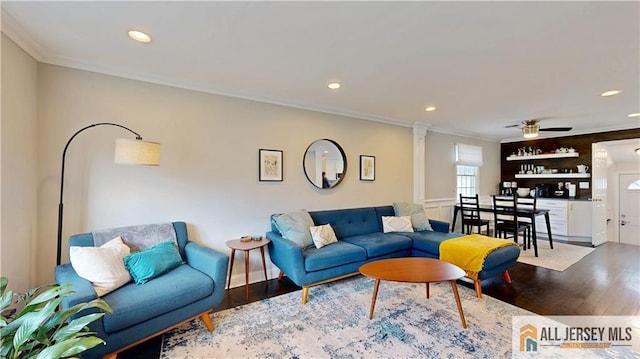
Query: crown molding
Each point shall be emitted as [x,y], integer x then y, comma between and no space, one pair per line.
[474,136]
[17,34]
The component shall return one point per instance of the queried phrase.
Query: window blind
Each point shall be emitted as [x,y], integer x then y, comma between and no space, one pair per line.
[468,155]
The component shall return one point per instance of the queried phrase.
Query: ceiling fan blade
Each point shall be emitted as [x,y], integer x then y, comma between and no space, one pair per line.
[558,129]
[512,126]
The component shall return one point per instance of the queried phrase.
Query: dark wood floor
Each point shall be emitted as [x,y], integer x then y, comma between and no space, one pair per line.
[606,282]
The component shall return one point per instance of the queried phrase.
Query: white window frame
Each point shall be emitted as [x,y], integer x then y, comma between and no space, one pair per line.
[467,180]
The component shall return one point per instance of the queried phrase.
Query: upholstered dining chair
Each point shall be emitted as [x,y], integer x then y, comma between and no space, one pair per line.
[506,221]
[470,209]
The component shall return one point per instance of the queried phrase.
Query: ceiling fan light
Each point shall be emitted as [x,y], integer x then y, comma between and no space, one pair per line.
[530,131]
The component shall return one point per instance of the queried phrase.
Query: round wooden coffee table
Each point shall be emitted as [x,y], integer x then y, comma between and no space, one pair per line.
[414,270]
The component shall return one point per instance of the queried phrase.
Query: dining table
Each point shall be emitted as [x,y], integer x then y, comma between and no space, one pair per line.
[520,212]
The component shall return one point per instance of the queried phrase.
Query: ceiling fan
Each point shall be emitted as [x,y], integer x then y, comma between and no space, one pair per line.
[530,128]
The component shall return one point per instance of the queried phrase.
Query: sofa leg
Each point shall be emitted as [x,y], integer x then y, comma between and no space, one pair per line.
[111,356]
[305,294]
[280,275]
[506,276]
[207,321]
[476,284]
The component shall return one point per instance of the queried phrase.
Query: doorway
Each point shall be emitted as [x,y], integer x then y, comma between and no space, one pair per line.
[629,221]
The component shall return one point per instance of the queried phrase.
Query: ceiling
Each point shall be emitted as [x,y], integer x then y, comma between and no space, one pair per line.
[484,65]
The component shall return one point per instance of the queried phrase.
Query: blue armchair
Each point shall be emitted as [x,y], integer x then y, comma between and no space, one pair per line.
[143,311]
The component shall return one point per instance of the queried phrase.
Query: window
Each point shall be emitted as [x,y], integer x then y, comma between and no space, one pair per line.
[467,180]
[468,161]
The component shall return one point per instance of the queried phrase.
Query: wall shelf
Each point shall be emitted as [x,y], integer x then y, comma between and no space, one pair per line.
[554,175]
[543,156]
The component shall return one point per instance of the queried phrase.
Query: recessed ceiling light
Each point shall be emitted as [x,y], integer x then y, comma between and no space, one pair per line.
[610,93]
[637,114]
[139,36]
[430,108]
[334,85]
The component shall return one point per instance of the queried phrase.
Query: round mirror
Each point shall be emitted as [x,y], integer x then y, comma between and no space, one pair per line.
[324,163]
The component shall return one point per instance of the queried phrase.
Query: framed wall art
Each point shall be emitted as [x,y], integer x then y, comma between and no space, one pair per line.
[270,165]
[367,168]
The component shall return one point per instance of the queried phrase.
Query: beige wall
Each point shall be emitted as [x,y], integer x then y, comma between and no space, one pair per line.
[208,174]
[440,156]
[208,171]
[18,166]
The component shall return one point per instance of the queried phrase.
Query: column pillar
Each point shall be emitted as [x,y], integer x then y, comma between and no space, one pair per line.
[419,181]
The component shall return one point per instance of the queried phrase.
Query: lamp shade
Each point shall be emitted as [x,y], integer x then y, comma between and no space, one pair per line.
[530,131]
[137,152]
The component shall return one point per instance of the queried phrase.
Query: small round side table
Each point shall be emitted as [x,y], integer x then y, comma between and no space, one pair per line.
[236,244]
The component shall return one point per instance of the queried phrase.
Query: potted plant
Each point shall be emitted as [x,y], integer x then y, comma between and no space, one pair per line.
[36,327]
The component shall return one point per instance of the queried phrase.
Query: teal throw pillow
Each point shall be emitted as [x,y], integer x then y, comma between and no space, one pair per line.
[152,262]
[295,226]
[418,217]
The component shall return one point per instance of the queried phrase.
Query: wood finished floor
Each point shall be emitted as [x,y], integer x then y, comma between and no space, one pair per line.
[605,282]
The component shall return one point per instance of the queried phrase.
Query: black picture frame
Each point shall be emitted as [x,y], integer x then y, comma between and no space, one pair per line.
[367,168]
[270,165]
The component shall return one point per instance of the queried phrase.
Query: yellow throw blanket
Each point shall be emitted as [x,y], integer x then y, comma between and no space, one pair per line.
[469,252]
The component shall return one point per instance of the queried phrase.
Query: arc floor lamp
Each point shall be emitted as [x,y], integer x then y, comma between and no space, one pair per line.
[127,151]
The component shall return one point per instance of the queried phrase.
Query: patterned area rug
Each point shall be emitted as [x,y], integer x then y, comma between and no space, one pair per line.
[561,257]
[334,324]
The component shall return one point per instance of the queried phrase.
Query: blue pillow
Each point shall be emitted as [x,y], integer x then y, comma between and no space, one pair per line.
[152,262]
[295,226]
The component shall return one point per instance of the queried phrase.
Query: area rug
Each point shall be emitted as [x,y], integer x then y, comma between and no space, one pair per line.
[561,257]
[334,324]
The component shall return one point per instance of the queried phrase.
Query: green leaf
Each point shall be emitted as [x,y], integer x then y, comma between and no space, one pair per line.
[6,300]
[69,347]
[33,321]
[47,295]
[3,284]
[75,326]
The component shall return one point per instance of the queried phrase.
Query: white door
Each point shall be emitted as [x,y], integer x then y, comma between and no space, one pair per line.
[630,209]
[599,194]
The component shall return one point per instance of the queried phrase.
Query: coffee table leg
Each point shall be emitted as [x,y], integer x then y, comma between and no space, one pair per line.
[427,289]
[373,299]
[454,286]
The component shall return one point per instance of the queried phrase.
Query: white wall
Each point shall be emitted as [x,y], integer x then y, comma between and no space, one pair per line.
[18,166]
[208,171]
[441,169]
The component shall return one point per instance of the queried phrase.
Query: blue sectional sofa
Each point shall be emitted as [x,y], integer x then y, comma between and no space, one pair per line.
[361,240]
[141,311]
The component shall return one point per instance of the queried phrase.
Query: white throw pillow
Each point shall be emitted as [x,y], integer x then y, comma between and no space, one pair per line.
[102,266]
[396,224]
[323,235]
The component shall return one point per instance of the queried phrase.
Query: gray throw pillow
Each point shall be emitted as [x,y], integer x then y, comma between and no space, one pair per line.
[419,219]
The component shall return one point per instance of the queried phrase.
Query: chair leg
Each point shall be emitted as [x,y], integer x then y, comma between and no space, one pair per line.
[476,284]
[506,276]
[206,319]
[280,275]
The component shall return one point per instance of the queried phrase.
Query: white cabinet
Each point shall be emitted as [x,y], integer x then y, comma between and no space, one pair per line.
[567,219]
[557,217]
[579,214]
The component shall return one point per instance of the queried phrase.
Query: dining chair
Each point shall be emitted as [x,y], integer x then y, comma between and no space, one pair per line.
[470,209]
[506,221]
[528,203]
